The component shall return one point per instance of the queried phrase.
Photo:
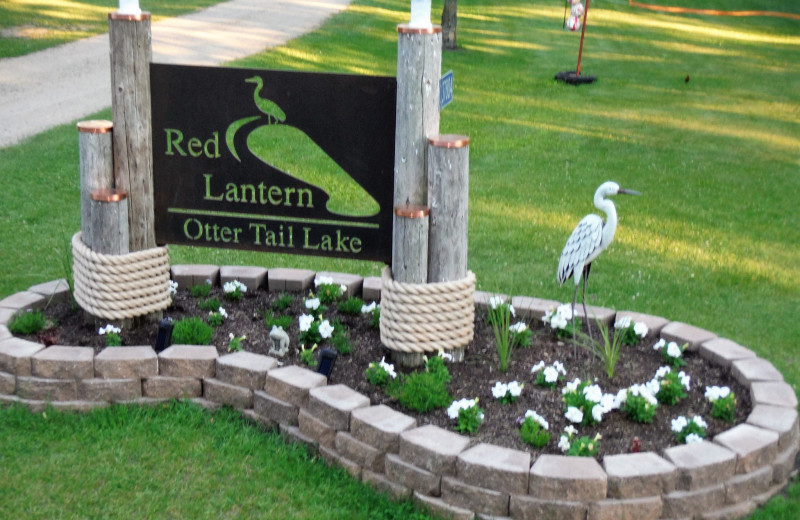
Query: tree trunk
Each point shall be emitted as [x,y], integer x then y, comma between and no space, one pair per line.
[449,24]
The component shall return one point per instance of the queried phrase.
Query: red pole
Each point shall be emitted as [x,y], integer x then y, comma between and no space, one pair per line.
[583,31]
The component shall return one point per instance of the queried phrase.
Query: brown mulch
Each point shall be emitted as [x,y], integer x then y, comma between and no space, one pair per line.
[472,378]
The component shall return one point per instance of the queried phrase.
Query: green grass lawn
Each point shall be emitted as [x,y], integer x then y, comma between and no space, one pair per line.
[712,242]
[28,26]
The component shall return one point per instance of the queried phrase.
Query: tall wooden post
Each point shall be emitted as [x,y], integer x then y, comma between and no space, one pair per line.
[96,168]
[410,250]
[448,189]
[131,53]
[419,67]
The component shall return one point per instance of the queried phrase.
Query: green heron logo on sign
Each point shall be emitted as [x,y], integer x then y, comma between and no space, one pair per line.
[277,161]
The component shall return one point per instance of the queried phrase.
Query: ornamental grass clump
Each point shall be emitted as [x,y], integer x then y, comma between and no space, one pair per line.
[506,339]
[608,350]
[271,320]
[351,306]
[534,430]
[192,331]
[723,402]
[688,431]
[201,290]
[210,304]
[28,322]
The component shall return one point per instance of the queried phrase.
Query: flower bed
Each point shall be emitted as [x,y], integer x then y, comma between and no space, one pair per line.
[726,477]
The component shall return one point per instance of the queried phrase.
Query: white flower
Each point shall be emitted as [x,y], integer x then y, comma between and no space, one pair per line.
[456,406]
[660,344]
[550,375]
[571,430]
[538,366]
[173,287]
[679,423]
[499,390]
[673,350]
[323,280]
[717,392]
[621,397]
[653,386]
[565,310]
[574,415]
[305,322]
[563,444]
[609,402]
[109,328]
[366,309]
[560,318]
[699,421]
[597,412]
[343,288]
[231,287]
[623,322]
[640,329]
[312,304]
[559,367]
[494,301]
[519,327]
[445,356]
[222,312]
[571,386]
[388,367]
[325,329]
[538,418]
[686,380]
[693,437]
[515,388]
[662,371]
[593,393]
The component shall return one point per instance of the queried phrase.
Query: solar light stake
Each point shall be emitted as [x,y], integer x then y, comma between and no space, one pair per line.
[327,358]
[164,334]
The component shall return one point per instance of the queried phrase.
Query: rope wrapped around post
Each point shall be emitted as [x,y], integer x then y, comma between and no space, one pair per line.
[118,287]
[427,317]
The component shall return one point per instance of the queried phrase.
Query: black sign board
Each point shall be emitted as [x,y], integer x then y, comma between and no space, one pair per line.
[278,161]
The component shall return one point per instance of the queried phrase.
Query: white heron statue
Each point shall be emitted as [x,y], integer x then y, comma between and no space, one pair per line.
[588,240]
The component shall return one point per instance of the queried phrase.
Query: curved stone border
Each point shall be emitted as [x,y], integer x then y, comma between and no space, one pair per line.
[726,478]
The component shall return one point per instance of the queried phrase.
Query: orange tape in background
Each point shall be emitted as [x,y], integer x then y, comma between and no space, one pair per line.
[712,12]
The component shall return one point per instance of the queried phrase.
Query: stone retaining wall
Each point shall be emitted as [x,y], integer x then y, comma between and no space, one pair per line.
[725,478]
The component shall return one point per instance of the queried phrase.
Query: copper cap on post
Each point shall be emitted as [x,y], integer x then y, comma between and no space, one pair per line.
[95,126]
[412,211]
[109,195]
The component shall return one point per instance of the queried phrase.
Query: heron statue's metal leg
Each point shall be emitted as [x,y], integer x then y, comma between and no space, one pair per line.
[585,313]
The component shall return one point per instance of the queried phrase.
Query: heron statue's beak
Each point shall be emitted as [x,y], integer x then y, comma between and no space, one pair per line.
[629,192]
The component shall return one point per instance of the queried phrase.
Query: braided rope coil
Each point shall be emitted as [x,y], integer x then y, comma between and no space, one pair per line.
[117,287]
[427,317]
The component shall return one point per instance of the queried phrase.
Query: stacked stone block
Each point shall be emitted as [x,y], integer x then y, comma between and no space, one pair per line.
[723,478]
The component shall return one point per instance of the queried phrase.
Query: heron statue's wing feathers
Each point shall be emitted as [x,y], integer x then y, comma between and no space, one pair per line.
[584,240]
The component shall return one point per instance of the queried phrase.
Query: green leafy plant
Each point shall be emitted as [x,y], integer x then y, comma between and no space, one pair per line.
[631,333]
[425,390]
[217,317]
[67,269]
[584,446]
[271,320]
[640,404]
[607,350]
[282,302]
[380,373]
[723,402]
[507,393]
[467,413]
[341,339]
[375,318]
[534,430]
[521,334]
[671,352]
[687,431]
[672,386]
[549,376]
[352,306]
[200,290]
[191,331]
[235,342]
[500,319]
[307,355]
[112,335]
[28,322]
[583,402]
[562,321]
[210,304]
[234,290]
[314,331]
[327,291]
